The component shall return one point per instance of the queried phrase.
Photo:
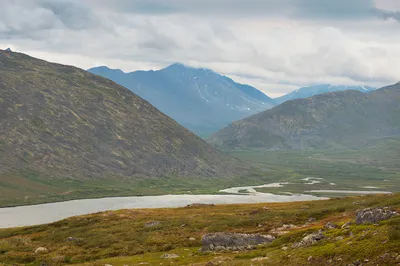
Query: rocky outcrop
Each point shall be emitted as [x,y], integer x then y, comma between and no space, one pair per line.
[283,230]
[233,241]
[374,215]
[310,239]
[330,225]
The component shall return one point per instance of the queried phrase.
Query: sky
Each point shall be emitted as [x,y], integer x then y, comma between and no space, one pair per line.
[274,45]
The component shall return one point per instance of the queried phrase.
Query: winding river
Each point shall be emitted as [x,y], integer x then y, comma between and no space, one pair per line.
[51,212]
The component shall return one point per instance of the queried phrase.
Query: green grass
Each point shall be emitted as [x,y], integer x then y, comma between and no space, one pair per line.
[120,237]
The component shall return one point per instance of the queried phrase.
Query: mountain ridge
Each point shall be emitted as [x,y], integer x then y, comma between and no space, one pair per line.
[305,92]
[335,119]
[198,98]
[64,121]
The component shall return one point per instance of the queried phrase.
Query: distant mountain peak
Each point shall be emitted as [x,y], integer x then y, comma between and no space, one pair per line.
[8,49]
[198,98]
[309,91]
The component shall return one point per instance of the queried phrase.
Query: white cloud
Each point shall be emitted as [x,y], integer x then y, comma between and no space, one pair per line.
[274,52]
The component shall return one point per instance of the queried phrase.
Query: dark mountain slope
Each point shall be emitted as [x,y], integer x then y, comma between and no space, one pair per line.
[198,98]
[335,119]
[63,121]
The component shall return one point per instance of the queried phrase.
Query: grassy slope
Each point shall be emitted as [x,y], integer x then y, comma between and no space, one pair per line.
[120,237]
[377,164]
[66,123]
[348,169]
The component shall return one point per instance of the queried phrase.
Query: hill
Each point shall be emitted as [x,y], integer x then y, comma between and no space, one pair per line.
[306,92]
[197,98]
[63,122]
[331,120]
[326,232]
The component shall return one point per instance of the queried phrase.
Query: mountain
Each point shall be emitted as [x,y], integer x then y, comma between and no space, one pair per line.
[65,122]
[197,98]
[306,92]
[336,119]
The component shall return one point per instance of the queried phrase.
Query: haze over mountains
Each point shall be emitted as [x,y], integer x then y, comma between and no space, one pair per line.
[309,91]
[331,120]
[197,98]
[62,121]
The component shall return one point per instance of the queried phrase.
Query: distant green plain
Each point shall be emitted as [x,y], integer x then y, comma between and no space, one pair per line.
[376,165]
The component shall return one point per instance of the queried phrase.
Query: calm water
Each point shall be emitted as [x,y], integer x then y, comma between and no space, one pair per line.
[51,212]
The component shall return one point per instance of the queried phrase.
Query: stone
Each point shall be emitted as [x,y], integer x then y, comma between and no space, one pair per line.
[346,225]
[259,259]
[41,250]
[108,265]
[374,215]
[284,248]
[330,225]
[233,241]
[309,258]
[284,229]
[169,256]
[311,220]
[339,238]
[152,224]
[310,239]
[192,239]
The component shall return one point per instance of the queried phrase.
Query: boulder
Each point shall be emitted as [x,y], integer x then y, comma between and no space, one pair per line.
[330,225]
[152,224]
[346,225]
[311,220]
[374,215]
[233,241]
[41,250]
[169,256]
[309,239]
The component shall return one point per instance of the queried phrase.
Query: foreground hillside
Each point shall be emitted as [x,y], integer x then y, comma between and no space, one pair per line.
[331,120]
[303,233]
[62,122]
[197,98]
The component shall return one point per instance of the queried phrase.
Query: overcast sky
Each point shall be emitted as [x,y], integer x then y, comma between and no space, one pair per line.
[274,45]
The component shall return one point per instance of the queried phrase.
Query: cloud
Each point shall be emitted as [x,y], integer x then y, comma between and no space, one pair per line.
[273,45]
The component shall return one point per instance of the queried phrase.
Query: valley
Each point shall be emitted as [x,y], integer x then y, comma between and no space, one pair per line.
[375,166]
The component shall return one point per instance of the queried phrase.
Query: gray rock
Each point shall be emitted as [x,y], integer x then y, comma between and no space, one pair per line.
[169,256]
[152,224]
[310,239]
[233,241]
[41,250]
[374,215]
[330,225]
[346,225]
[311,220]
